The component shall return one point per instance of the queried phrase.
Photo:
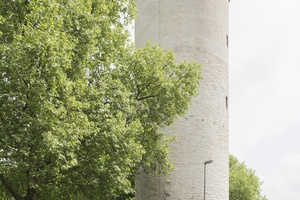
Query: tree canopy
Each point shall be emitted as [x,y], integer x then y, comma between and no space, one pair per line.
[243,182]
[80,107]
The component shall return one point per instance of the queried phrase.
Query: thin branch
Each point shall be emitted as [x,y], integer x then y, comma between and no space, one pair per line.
[138,91]
[146,97]
[141,90]
[93,7]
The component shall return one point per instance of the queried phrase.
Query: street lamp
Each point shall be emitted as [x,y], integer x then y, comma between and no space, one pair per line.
[205,163]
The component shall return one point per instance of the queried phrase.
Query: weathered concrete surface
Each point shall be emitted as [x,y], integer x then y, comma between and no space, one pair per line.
[195,30]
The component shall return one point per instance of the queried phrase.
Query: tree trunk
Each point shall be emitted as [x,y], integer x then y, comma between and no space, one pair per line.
[31,194]
[10,188]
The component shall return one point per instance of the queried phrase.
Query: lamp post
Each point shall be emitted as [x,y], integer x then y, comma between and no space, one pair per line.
[205,163]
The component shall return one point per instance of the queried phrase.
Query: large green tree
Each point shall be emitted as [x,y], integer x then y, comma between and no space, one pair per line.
[80,107]
[244,184]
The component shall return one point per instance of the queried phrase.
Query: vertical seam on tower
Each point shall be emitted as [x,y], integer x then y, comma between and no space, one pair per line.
[159,22]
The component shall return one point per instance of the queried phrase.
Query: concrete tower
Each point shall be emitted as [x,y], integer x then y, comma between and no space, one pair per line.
[195,30]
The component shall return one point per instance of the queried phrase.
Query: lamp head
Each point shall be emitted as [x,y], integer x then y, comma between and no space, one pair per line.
[208,161]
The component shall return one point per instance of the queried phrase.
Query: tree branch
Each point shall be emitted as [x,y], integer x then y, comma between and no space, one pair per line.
[146,97]
[10,188]
[138,91]
[142,89]
[31,194]
[93,7]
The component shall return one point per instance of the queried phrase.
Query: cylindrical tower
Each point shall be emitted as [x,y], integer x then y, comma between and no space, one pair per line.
[195,30]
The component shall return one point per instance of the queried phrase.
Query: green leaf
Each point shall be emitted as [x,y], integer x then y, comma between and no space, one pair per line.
[81,107]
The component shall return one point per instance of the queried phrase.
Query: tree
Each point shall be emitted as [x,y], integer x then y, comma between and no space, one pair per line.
[81,108]
[243,182]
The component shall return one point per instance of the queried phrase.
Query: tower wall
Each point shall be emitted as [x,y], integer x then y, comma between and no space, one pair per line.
[194,30]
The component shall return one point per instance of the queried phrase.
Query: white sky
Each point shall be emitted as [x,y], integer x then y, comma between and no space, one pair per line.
[265,92]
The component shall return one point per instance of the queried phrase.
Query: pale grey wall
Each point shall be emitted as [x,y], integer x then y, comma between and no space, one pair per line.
[195,30]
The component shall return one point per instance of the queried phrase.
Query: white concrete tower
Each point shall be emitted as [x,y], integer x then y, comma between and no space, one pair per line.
[195,30]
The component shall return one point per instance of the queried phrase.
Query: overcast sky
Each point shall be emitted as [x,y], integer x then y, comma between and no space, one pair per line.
[265,92]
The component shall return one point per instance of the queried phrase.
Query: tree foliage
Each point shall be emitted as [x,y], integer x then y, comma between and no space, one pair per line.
[81,108]
[243,182]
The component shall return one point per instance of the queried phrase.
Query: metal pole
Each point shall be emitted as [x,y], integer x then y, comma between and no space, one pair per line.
[204,179]
[206,162]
